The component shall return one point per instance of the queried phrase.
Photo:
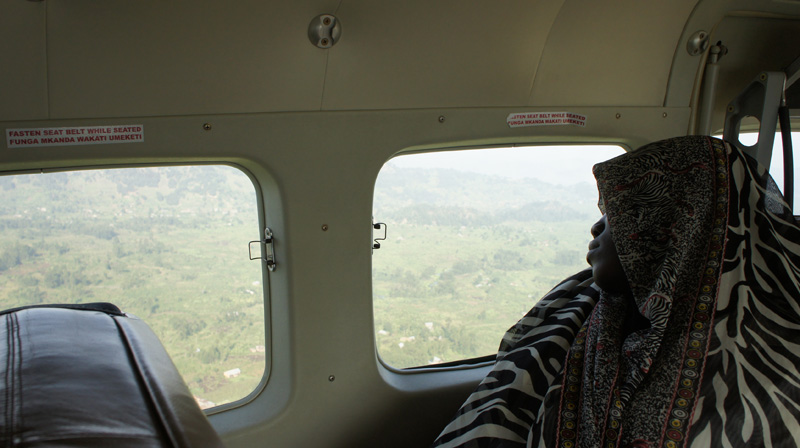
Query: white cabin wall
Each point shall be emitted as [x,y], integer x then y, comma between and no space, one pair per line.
[322,320]
[599,55]
[320,296]
[148,58]
[418,54]
[23,52]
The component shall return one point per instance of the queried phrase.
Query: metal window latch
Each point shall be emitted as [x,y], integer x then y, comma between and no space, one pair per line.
[378,226]
[268,253]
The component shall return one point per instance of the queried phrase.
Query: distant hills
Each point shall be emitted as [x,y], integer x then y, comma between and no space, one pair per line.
[451,197]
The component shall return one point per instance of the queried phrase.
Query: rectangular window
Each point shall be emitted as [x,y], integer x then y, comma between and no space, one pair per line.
[474,239]
[167,244]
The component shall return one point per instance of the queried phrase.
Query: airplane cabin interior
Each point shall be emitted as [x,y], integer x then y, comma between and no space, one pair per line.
[266,291]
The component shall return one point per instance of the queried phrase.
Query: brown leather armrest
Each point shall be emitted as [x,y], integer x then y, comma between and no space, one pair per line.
[75,377]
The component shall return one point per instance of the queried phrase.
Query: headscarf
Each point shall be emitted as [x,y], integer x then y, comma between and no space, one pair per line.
[709,249]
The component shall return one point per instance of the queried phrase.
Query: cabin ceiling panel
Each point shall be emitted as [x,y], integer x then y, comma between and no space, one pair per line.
[152,57]
[775,48]
[600,53]
[23,79]
[447,53]
[750,50]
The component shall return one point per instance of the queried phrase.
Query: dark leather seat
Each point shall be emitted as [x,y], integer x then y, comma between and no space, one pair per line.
[92,376]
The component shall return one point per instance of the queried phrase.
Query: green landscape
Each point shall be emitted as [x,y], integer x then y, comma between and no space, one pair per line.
[466,256]
[168,245]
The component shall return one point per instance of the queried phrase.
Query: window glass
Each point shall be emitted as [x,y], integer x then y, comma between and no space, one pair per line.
[776,163]
[167,244]
[474,239]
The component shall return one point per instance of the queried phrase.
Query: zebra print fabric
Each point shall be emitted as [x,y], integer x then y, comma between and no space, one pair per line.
[532,355]
[751,389]
[710,251]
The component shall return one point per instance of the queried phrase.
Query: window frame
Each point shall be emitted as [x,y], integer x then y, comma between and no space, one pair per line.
[482,361]
[261,213]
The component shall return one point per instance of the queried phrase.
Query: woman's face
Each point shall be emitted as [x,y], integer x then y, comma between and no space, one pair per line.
[602,256]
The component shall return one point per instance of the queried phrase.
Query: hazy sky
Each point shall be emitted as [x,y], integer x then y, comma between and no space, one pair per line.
[776,165]
[561,165]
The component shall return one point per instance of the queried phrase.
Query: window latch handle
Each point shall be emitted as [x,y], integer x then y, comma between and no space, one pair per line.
[268,252]
[378,226]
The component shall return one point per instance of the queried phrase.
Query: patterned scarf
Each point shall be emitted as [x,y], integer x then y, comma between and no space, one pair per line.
[709,250]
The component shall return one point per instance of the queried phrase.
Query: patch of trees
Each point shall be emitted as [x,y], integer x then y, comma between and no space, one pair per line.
[58,276]
[566,257]
[187,327]
[128,180]
[30,296]
[16,255]
[7,183]
[547,211]
[209,355]
[455,216]
[95,229]
[429,214]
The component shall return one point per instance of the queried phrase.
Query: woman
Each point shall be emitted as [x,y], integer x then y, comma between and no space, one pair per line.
[685,332]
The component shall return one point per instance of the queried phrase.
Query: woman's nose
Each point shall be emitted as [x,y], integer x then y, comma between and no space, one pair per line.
[598,227]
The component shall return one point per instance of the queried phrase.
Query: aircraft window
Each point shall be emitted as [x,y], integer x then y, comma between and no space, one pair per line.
[776,163]
[474,239]
[167,244]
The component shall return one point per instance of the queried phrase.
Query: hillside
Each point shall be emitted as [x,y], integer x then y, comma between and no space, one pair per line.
[467,255]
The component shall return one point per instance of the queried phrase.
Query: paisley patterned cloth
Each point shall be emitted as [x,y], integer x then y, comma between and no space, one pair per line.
[711,255]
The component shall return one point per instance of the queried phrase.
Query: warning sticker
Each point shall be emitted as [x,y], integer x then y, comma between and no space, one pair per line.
[75,135]
[545,119]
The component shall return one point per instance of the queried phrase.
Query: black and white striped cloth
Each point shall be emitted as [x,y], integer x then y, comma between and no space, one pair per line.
[711,254]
